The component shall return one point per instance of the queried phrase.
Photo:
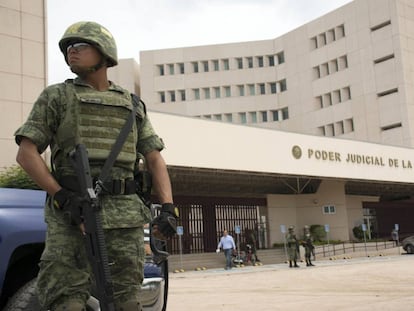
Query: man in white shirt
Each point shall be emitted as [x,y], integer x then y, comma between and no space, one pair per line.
[227,244]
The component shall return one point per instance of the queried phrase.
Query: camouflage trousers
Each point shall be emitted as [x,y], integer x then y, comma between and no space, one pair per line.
[65,273]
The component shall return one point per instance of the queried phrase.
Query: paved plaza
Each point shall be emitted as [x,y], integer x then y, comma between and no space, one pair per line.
[358,284]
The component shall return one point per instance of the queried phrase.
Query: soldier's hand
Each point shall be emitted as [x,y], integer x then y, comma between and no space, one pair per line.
[70,203]
[164,226]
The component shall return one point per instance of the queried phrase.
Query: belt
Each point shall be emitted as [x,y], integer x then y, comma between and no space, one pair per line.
[113,187]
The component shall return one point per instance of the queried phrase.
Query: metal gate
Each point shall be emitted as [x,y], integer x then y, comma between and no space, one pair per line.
[204,219]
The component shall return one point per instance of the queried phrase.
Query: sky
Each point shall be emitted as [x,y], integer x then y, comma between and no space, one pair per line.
[139,25]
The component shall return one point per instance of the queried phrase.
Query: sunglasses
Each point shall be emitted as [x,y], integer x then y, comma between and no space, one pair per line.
[78,47]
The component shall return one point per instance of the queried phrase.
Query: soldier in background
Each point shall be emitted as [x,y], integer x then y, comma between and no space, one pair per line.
[307,243]
[292,247]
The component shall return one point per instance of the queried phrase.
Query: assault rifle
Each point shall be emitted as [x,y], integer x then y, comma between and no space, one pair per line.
[94,235]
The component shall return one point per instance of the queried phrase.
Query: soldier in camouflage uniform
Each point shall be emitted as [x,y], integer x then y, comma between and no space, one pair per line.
[307,243]
[91,110]
[293,247]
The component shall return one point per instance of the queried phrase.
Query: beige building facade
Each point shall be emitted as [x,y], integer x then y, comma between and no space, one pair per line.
[328,104]
[23,67]
[347,74]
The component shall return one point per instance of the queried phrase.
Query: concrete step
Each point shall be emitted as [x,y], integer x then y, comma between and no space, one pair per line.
[189,262]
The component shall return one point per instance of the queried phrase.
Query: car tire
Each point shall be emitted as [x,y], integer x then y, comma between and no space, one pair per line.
[25,299]
[410,249]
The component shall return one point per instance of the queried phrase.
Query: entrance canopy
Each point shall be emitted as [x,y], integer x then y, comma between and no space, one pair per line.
[298,161]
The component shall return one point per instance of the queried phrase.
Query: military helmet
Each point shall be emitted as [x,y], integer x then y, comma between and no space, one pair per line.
[94,34]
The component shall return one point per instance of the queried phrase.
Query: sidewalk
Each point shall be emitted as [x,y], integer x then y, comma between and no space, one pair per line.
[364,283]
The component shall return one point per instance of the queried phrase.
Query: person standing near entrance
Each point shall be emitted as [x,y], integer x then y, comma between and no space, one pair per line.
[227,244]
[293,247]
[308,245]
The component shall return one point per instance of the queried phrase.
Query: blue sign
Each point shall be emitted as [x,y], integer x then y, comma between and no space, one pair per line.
[283,228]
[364,227]
[237,229]
[397,227]
[180,230]
[326,228]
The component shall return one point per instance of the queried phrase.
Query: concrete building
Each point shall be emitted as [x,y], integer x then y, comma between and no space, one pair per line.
[328,107]
[346,74]
[23,67]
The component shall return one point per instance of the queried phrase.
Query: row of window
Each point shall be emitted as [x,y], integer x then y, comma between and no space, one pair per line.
[251,117]
[222,64]
[330,67]
[333,98]
[337,128]
[223,91]
[327,37]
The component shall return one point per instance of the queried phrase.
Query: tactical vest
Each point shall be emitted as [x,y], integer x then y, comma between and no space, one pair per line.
[95,119]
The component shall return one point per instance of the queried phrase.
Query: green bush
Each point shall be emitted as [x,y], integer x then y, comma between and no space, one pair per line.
[16,177]
[358,232]
[317,232]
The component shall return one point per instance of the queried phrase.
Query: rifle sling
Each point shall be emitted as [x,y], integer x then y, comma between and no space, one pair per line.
[116,148]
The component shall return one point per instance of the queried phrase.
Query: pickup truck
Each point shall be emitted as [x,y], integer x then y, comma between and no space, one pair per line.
[22,236]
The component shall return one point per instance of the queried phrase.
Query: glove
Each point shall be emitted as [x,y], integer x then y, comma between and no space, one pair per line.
[70,204]
[165,224]
[218,250]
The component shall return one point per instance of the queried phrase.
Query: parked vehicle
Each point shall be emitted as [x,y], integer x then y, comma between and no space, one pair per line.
[22,236]
[408,244]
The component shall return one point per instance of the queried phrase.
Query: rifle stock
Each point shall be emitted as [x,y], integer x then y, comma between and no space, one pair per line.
[94,234]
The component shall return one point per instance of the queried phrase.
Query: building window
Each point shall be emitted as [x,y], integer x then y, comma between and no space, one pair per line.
[171,69]
[241,90]
[195,67]
[260,61]
[196,94]
[217,117]
[162,97]
[243,118]
[226,64]
[172,96]
[343,62]
[387,92]
[216,65]
[181,68]
[205,66]
[228,117]
[383,59]
[285,113]
[182,94]
[227,92]
[217,93]
[161,70]
[273,87]
[275,115]
[253,117]
[340,32]
[329,209]
[239,61]
[251,89]
[264,116]
[271,60]
[346,93]
[262,88]
[249,62]
[316,72]
[280,57]
[206,93]
[283,86]
[382,25]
